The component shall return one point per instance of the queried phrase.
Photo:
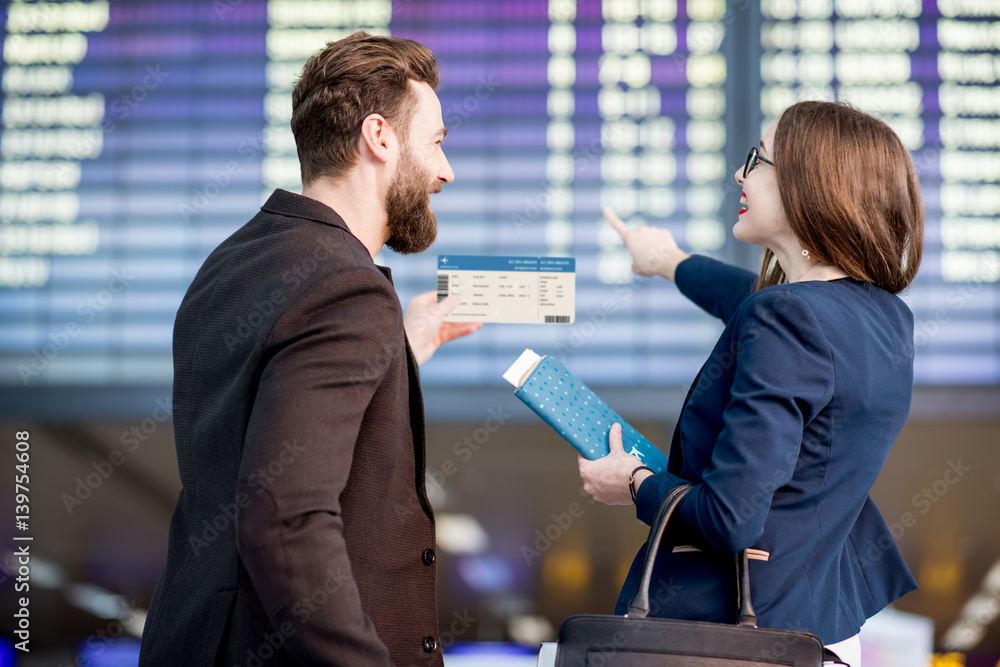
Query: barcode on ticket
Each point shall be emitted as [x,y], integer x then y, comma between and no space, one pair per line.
[442,287]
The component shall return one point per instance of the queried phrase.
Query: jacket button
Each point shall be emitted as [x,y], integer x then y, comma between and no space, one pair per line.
[428,556]
[430,644]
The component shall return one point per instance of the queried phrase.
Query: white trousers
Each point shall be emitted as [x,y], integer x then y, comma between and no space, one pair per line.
[848,651]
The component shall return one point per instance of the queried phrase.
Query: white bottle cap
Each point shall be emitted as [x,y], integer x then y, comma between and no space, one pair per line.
[519,370]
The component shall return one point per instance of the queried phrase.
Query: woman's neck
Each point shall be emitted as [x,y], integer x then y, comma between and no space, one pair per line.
[800,268]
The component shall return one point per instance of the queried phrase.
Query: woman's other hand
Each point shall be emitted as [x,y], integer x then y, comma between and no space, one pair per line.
[606,479]
[654,250]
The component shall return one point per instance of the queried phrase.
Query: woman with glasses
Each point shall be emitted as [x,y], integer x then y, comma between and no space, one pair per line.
[791,419]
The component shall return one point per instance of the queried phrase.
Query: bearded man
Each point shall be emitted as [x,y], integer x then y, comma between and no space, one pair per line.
[303,534]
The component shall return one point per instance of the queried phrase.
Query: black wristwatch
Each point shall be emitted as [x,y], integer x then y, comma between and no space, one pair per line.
[631,481]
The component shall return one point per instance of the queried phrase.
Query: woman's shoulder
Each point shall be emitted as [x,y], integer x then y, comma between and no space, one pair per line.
[782,315]
[833,305]
[781,299]
[833,291]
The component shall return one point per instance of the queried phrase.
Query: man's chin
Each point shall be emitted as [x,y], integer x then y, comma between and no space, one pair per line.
[412,246]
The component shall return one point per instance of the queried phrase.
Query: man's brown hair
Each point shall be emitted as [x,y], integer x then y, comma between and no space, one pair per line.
[850,193]
[345,83]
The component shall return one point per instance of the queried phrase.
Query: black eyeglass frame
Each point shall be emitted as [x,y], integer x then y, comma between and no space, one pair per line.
[752,157]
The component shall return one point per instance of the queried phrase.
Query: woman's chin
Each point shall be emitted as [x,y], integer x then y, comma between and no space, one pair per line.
[738,230]
[741,233]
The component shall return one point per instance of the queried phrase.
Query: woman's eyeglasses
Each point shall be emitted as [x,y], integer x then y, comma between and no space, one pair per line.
[752,157]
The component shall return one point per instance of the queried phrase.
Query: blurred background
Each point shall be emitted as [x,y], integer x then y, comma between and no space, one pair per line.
[138,135]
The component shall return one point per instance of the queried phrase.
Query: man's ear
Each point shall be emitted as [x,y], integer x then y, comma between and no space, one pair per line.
[378,137]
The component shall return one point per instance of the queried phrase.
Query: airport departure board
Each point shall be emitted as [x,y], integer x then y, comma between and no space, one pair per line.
[137,135]
[931,70]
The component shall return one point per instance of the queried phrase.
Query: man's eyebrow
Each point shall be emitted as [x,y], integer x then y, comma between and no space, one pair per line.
[442,133]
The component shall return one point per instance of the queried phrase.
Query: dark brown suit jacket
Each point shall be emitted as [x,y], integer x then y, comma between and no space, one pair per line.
[303,535]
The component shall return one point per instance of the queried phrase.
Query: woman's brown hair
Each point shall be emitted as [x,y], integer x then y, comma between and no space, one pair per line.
[850,193]
[345,83]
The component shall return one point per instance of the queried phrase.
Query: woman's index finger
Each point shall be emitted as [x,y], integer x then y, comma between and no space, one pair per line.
[616,222]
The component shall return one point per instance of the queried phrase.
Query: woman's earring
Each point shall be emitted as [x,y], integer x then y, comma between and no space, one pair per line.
[805,253]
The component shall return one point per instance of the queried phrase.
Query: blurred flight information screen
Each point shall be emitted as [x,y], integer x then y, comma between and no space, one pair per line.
[137,136]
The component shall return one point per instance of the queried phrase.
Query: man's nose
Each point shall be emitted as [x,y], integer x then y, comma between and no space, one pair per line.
[446,175]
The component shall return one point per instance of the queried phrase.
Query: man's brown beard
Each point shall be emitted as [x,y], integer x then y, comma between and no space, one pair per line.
[412,226]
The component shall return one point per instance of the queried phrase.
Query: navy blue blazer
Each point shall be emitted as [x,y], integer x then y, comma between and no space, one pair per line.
[782,435]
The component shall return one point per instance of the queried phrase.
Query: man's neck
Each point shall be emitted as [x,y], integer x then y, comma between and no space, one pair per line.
[364,215]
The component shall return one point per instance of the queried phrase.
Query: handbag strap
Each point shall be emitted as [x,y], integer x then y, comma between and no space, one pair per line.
[639,605]
[831,657]
[747,616]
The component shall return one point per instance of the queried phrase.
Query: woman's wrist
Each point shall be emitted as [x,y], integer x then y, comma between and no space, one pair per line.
[671,261]
[637,478]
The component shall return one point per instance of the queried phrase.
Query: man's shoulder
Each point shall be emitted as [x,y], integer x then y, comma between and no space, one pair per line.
[314,261]
[294,262]
[276,242]
[316,239]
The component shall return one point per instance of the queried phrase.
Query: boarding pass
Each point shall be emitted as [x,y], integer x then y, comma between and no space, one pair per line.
[533,290]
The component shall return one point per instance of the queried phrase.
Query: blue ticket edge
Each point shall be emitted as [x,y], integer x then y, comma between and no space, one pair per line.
[492,263]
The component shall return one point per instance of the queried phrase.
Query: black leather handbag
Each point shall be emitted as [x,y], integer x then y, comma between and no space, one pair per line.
[634,640]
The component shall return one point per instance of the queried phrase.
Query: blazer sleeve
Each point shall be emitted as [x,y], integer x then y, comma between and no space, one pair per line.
[715,287]
[783,379]
[313,393]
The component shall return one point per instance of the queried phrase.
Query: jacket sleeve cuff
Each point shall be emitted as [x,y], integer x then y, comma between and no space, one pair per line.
[651,493]
[683,273]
